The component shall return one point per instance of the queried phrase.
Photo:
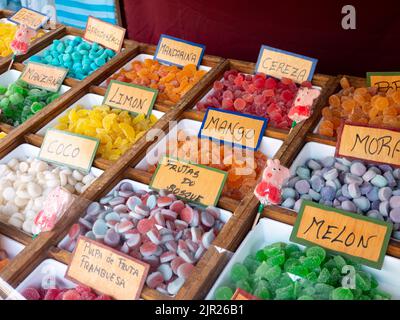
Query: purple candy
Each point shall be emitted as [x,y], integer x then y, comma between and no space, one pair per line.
[395,215]
[302,186]
[395,202]
[328,193]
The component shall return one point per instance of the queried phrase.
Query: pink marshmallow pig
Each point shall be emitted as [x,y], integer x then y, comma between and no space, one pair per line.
[301,109]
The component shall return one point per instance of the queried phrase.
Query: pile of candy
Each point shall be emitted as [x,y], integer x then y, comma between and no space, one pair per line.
[243,173]
[24,184]
[116,129]
[254,94]
[4,260]
[170,81]
[7,34]
[20,101]
[283,272]
[81,58]
[360,105]
[79,293]
[354,186]
[164,232]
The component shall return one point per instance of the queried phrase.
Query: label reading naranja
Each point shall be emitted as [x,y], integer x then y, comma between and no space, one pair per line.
[69,149]
[364,142]
[243,295]
[44,76]
[130,97]
[279,63]
[104,33]
[32,19]
[355,236]
[178,52]
[384,80]
[238,129]
[191,182]
[107,270]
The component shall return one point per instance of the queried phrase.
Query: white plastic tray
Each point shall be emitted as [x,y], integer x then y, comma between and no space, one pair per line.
[11,247]
[48,267]
[141,57]
[268,146]
[27,150]
[87,101]
[270,231]
[11,76]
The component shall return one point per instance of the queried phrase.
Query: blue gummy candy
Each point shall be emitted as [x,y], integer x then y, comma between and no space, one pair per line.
[100,62]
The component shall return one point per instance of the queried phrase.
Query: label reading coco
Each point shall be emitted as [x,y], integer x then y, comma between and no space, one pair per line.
[178,52]
[107,270]
[279,63]
[32,19]
[44,76]
[241,130]
[130,97]
[384,80]
[191,182]
[358,237]
[369,143]
[104,33]
[69,149]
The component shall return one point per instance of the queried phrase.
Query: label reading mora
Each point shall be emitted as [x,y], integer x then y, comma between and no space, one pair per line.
[130,97]
[355,236]
[191,182]
[279,63]
[69,149]
[178,52]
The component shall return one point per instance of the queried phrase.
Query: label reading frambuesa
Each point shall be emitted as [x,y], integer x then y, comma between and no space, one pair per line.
[355,236]
[107,270]
[104,33]
[44,76]
[32,19]
[69,149]
[238,129]
[130,97]
[191,182]
[384,80]
[178,52]
[279,63]
[369,143]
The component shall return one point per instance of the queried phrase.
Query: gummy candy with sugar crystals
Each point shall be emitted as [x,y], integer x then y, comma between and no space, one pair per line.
[286,272]
[116,129]
[254,94]
[242,175]
[360,105]
[171,82]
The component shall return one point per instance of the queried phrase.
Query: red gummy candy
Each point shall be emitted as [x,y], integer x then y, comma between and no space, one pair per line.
[52,294]
[31,294]
[71,295]
[239,104]
[103,297]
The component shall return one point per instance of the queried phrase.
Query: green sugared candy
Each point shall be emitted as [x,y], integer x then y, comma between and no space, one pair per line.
[19,102]
[285,272]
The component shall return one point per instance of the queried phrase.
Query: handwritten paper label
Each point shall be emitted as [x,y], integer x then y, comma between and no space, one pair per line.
[130,97]
[107,270]
[284,64]
[178,52]
[243,295]
[31,18]
[44,76]
[238,129]
[369,143]
[191,182]
[109,35]
[69,149]
[384,80]
[356,236]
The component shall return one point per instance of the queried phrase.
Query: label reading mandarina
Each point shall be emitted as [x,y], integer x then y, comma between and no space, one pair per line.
[178,52]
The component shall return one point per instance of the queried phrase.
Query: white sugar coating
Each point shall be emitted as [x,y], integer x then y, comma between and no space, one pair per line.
[25,184]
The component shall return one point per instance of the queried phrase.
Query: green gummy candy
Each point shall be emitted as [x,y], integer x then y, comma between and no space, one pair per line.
[3,90]
[261,256]
[223,293]
[340,262]
[273,273]
[244,285]
[324,276]
[4,103]
[262,291]
[342,294]
[323,290]
[363,281]
[316,251]
[296,254]
[239,272]
[298,270]
[277,260]
[305,297]
[251,264]
[290,248]
[286,293]
[311,262]
[16,98]
[312,276]
[36,107]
